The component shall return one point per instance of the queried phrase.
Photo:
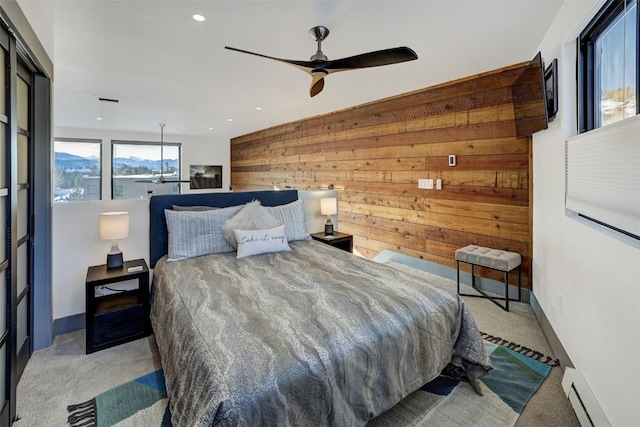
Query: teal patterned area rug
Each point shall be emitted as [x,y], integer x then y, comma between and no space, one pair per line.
[141,402]
[442,402]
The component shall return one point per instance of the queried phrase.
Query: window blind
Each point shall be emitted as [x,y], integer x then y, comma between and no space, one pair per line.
[603,175]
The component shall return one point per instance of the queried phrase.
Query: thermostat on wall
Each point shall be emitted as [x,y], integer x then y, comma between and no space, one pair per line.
[452,159]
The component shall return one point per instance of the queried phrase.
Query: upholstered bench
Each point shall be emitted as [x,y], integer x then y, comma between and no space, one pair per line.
[494,259]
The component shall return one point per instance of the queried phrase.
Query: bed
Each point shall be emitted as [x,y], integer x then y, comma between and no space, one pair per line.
[309,335]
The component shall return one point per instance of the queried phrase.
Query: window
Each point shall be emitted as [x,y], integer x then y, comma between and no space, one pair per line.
[77,171]
[602,176]
[608,71]
[138,168]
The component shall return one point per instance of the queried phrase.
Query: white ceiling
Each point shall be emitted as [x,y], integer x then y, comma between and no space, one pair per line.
[163,66]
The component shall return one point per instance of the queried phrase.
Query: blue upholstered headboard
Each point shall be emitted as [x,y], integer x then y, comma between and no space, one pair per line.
[158,236]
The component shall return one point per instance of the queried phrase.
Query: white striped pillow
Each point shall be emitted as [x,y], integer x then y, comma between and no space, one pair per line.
[196,233]
[292,216]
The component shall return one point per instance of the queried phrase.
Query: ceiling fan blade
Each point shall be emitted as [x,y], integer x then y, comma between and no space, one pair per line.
[320,66]
[317,82]
[306,66]
[158,181]
[163,180]
[371,59]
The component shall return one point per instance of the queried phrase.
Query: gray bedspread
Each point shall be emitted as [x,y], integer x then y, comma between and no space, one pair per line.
[311,337]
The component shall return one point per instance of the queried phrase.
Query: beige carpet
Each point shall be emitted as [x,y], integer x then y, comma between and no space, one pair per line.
[63,374]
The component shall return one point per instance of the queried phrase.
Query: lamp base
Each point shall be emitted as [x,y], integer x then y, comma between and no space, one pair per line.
[114,261]
[328,229]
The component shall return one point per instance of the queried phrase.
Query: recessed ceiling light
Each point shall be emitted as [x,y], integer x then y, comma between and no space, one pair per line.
[198,17]
[258,108]
[229,120]
[210,128]
[98,118]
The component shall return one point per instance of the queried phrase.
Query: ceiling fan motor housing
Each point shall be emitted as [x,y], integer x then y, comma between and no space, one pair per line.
[319,33]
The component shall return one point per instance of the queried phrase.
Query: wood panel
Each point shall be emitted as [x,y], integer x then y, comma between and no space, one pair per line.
[375,153]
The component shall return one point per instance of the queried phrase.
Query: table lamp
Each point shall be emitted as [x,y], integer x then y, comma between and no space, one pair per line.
[114,226]
[328,207]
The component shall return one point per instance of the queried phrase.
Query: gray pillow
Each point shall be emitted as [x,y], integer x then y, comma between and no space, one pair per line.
[292,216]
[252,216]
[193,208]
[196,233]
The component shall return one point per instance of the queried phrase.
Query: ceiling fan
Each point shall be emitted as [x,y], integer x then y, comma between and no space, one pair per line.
[319,65]
[161,179]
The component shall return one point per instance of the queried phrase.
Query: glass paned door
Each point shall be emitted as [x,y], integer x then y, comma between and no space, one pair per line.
[16,216]
[5,248]
[23,232]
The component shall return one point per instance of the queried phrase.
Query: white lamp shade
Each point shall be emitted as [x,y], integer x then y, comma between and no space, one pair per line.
[328,206]
[114,225]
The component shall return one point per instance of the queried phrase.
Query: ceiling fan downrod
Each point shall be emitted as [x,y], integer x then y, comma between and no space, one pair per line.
[162,125]
[319,33]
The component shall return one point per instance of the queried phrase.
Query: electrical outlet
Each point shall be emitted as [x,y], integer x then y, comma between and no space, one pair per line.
[438,184]
[559,303]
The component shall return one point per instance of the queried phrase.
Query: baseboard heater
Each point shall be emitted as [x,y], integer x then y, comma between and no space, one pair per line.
[584,403]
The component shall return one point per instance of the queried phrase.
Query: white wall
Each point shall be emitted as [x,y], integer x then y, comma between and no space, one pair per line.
[76,246]
[586,282]
[311,206]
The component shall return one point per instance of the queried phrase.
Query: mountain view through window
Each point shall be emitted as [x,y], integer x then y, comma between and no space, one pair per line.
[77,170]
[136,169]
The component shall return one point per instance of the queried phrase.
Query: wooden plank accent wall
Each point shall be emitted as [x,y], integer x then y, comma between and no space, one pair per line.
[375,153]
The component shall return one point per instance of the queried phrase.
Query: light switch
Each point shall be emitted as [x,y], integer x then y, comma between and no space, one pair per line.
[426,184]
[438,184]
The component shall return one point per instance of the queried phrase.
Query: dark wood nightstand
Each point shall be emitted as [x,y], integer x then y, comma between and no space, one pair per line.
[116,317]
[339,240]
